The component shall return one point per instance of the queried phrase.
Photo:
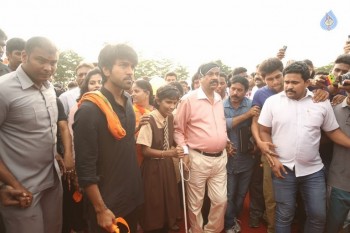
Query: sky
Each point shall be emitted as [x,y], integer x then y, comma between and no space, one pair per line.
[188,32]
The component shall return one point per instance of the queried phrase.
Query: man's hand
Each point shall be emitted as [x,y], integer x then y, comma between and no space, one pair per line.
[319,81]
[254,111]
[345,85]
[338,99]
[143,121]
[278,169]
[69,162]
[60,162]
[106,220]
[320,95]
[281,54]
[67,168]
[179,152]
[230,149]
[15,197]
[268,150]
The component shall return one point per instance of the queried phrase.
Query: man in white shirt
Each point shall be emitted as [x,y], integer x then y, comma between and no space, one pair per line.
[69,98]
[292,122]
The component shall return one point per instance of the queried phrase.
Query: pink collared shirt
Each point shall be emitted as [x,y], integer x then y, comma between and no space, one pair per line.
[200,124]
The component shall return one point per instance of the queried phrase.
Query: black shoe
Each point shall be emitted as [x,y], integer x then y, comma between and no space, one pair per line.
[254,222]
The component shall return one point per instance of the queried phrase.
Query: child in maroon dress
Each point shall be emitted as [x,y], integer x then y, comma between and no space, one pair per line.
[161,207]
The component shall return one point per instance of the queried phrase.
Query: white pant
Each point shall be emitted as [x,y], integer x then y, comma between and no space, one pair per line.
[211,171]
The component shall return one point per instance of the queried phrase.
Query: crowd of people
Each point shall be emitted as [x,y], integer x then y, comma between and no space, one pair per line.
[110,147]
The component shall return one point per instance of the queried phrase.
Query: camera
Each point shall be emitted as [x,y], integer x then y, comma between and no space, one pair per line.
[345,77]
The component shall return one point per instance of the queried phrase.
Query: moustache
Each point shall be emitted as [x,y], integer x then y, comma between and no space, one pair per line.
[290,90]
[128,79]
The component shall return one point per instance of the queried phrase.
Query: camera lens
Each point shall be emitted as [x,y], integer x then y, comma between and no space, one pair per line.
[345,77]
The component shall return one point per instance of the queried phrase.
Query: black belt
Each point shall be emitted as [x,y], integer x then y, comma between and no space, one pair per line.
[209,154]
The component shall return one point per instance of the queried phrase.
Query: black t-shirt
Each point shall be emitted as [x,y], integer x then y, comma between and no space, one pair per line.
[103,160]
[61,117]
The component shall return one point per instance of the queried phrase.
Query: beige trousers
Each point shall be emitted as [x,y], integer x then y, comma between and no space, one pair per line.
[269,196]
[211,171]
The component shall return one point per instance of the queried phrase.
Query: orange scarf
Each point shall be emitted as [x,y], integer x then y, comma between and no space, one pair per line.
[140,109]
[102,102]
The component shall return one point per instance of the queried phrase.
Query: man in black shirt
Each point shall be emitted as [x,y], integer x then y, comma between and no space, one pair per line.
[104,142]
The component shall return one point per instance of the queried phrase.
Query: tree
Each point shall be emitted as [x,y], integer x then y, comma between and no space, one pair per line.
[326,68]
[68,61]
[224,68]
[182,72]
[150,67]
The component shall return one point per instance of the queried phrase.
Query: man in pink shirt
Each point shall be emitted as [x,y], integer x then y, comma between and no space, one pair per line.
[200,128]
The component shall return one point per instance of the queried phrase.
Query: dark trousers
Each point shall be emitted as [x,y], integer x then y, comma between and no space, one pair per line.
[2,226]
[72,211]
[257,203]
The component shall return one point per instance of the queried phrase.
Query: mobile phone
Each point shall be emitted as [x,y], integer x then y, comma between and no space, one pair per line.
[348,41]
[285,47]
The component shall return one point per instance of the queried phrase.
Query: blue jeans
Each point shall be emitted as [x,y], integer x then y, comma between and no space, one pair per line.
[237,188]
[339,206]
[313,191]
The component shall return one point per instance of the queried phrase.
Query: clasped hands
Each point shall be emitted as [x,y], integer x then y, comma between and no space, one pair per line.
[19,197]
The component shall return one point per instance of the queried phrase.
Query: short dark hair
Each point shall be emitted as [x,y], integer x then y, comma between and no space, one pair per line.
[196,76]
[183,82]
[171,74]
[222,74]
[85,85]
[146,86]
[110,53]
[298,67]
[270,65]
[167,91]
[84,64]
[239,70]
[15,44]
[309,63]
[239,79]
[72,84]
[39,42]
[344,58]
[178,86]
